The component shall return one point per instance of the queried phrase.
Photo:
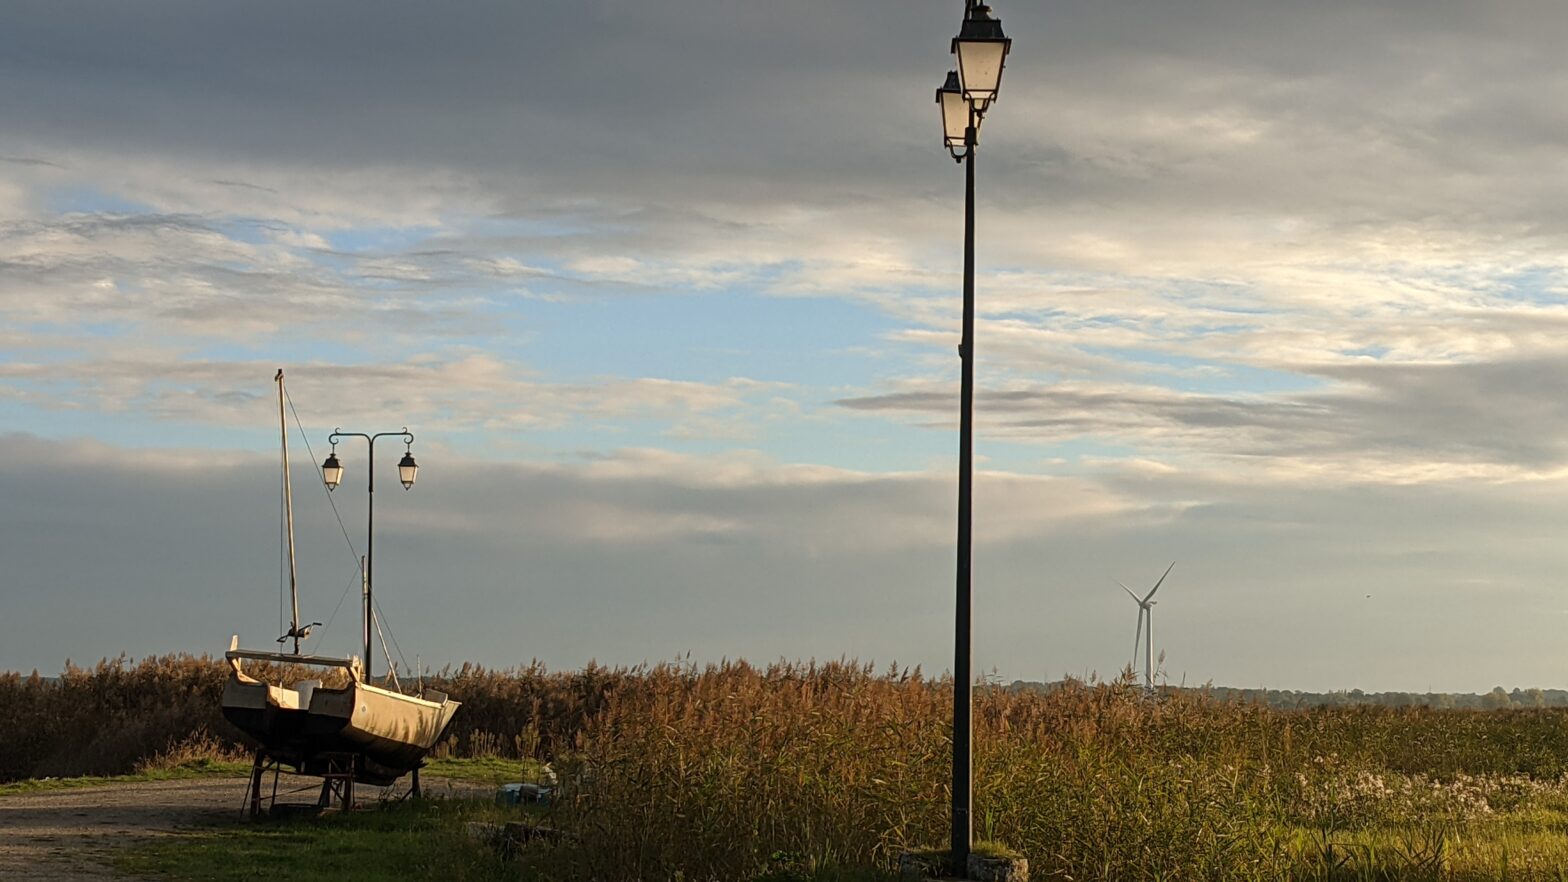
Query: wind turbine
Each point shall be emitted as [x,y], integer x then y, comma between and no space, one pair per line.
[1145,629]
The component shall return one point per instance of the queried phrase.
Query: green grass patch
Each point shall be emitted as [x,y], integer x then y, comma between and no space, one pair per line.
[485,770]
[479,770]
[989,848]
[414,841]
[411,841]
[1505,847]
[992,849]
[193,769]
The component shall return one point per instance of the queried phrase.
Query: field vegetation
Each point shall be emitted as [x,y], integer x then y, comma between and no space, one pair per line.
[824,771]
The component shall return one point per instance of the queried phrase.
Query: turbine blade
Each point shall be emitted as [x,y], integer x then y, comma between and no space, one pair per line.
[1162,580]
[1129,592]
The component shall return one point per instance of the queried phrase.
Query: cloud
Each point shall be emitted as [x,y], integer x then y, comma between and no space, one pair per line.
[1220,191]
[1410,419]
[1261,133]
[1304,173]
[443,393]
[643,554]
[1267,286]
[640,529]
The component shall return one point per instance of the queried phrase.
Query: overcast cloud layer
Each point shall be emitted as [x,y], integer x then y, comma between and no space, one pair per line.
[668,290]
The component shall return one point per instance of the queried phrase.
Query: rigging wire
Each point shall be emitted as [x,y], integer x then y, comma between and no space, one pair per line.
[401,657]
[341,597]
[391,666]
[336,513]
[358,567]
[322,482]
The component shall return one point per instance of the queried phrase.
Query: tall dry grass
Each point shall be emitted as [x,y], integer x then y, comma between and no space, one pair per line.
[105,719]
[711,772]
[714,772]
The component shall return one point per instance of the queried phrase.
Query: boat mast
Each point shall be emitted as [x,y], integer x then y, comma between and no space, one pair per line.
[367,614]
[288,514]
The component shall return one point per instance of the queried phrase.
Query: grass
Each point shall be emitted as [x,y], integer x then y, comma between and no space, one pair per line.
[406,841]
[1507,848]
[803,773]
[418,840]
[478,770]
[993,849]
[485,769]
[195,769]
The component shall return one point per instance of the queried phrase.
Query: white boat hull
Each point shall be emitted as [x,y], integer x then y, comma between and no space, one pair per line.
[310,726]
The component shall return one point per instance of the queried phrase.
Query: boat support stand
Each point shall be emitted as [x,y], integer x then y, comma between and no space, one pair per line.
[258,770]
[337,781]
[337,784]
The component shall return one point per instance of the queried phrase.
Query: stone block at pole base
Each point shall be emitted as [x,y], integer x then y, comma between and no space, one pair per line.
[983,868]
[918,866]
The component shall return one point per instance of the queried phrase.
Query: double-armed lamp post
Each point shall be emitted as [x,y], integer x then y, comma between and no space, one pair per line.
[332,474]
[965,97]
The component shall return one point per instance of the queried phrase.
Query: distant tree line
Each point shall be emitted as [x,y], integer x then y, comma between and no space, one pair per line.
[1290,699]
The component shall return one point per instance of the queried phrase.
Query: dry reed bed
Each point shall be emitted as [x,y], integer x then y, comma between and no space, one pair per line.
[713,771]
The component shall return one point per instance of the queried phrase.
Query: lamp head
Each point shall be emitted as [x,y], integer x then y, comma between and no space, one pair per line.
[982,50]
[955,113]
[407,469]
[332,471]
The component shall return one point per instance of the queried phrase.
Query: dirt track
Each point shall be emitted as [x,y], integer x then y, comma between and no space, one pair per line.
[65,835]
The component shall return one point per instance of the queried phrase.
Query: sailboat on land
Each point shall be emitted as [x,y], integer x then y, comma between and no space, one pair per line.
[345,728]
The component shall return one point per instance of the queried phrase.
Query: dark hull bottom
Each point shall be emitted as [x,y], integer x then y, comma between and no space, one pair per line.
[280,732]
[392,758]
[315,745]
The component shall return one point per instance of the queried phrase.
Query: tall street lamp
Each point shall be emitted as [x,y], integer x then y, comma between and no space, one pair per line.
[332,474]
[964,98]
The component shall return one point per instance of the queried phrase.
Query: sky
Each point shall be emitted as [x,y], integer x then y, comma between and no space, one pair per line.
[668,293]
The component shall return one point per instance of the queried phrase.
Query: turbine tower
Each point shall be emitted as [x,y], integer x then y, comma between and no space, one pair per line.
[1144,633]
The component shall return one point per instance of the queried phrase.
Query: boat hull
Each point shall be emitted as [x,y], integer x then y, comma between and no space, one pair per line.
[266,713]
[392,731]
[313,728]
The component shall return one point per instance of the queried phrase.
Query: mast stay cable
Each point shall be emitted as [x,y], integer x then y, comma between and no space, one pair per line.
[354,552]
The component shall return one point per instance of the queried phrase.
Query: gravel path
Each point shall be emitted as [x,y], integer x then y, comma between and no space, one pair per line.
[65,835]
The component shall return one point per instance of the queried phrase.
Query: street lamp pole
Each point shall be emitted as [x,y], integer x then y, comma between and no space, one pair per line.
[332,474]
[964,98]
[963,683]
